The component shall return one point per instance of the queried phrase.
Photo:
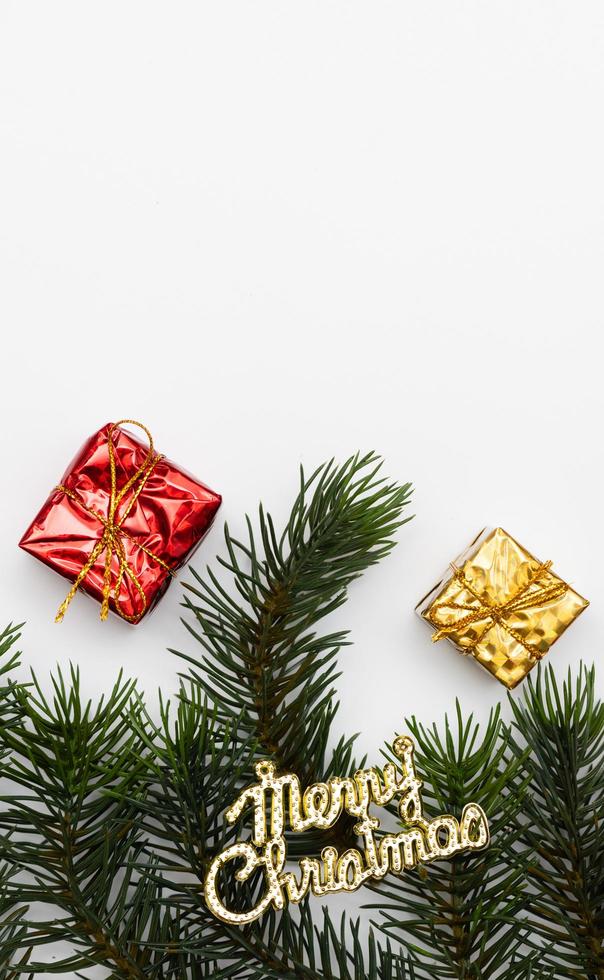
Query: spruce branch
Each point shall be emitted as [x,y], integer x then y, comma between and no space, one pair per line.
[459,918]
[268,680]
[14,951]
[191,768]
[562,818]
[263,661]
[194,768]
[9,660]
[330,951]
[62,830]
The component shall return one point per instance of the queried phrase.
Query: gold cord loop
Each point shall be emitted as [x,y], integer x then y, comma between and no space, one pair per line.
[111,542]
[496,612]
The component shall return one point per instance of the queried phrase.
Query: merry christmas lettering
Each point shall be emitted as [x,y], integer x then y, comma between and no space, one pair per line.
[319,806]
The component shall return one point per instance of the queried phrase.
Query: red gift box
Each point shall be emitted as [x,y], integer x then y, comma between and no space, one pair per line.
[121,522]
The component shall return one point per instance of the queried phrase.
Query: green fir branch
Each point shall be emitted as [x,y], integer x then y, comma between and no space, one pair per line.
[14,950]
[64,834]
[263,661]
[194,769]
[459,918]
[14,946]
[562,818]
[9,660]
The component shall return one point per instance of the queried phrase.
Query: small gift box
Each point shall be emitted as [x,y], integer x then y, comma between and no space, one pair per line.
[501,605]
[121,522]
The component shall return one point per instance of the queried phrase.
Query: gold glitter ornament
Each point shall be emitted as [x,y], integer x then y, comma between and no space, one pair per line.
[319,807]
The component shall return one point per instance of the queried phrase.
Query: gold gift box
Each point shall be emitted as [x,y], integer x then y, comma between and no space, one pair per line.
[501,605]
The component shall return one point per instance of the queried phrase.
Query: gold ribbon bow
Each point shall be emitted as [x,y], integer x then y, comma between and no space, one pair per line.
[110,541]
[496,612]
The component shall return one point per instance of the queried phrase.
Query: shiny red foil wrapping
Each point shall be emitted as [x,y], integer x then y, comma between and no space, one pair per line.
[169,518]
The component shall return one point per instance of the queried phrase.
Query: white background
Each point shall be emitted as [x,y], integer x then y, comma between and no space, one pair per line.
[281,231]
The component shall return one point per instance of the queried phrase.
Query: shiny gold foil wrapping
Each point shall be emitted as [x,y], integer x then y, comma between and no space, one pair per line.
[501,605]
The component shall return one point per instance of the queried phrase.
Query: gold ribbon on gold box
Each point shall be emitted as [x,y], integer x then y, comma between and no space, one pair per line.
[501,605]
